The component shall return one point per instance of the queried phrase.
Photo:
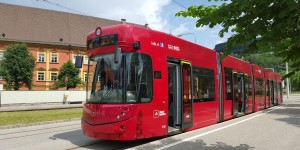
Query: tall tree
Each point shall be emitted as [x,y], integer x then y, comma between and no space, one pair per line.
[17,67]
[295,80]
[67,70]
[266,61]
[272,25]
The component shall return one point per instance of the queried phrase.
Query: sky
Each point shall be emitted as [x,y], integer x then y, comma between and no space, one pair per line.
[159,14]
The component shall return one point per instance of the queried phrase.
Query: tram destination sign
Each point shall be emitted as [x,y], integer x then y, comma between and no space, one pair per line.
[102,41]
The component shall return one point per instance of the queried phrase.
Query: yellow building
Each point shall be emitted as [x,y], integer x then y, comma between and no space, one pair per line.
[52,37]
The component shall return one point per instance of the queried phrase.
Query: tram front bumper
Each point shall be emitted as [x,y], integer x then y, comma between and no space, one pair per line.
[114,131]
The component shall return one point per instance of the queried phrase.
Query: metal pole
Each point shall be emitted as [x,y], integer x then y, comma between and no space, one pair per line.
[180,35]
[287,81]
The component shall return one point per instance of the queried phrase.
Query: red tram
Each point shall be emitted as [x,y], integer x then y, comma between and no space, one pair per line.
[147,83]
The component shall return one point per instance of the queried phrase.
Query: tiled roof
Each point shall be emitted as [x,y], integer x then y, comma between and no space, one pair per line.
[47,26]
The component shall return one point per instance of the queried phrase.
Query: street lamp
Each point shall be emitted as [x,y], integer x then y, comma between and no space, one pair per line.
[180,35]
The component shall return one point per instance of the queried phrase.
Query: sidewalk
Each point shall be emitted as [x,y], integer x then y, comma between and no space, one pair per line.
[47,106]
[293,98]
[44,106]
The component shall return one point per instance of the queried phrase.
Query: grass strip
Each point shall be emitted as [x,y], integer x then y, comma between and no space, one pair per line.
[27,117]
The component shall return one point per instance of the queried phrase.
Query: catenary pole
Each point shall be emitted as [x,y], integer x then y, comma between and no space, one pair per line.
[287,81]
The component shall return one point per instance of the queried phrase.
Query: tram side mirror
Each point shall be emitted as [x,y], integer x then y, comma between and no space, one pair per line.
[78,61]
[117,55]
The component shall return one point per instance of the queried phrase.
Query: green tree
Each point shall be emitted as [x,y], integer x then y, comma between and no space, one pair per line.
[272,25]
[295,80]
[17,67]
[266,61]
[67,70]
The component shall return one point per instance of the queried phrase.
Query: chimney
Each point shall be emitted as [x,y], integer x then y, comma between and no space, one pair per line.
[146,25]
[123,21]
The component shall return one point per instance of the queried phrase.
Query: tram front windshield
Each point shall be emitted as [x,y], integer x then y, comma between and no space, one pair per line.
[129,80]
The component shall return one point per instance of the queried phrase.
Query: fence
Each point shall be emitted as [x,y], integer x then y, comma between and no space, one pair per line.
[31,97]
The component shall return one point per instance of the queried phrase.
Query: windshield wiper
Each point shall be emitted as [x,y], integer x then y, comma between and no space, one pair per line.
[113,88]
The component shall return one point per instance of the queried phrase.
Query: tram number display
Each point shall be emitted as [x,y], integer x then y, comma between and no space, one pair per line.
[102,41]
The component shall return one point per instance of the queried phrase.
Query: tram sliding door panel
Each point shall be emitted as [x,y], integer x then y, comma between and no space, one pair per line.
[235,101]
[174,95]
[187,101]
[272,93]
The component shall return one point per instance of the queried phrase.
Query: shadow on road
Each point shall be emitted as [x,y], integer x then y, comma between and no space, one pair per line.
[76,137]
[79,140]
[198,144]
[290,114]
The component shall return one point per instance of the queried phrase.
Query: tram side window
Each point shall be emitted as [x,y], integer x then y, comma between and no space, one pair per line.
[259,87]
[204,84]
[228,81]
[139,78]
[248,87]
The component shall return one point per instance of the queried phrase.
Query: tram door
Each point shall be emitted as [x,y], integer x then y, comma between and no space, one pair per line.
[174,98]
[272,93]
[239,94]
[268,93]
[179,96]
[187,101]
[276,93]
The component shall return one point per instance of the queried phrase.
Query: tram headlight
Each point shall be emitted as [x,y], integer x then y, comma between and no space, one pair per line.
[122,127]
[118,117]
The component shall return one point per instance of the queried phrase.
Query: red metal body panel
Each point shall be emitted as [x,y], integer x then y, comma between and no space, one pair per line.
[239,66]
[259,101]
[159,46]
[137,121]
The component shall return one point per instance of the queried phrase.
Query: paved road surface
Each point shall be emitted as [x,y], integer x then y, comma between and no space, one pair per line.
[65,135]
[275,128]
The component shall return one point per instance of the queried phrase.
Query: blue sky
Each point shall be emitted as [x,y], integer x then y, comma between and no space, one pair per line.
[159,14]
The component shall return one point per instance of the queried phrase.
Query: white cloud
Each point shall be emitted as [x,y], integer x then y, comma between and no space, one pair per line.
[201,28]
[180,29]
[135,11]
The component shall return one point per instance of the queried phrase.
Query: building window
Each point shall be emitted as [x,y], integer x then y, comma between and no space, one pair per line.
[53,76]
[204,84]
[74,59]
[86,60]
[1,56]
[85,77]
[54,58]
[99,77]
[41,76]
[41,57]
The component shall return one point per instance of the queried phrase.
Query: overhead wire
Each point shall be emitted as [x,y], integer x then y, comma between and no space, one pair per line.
[180,4]
[64,7]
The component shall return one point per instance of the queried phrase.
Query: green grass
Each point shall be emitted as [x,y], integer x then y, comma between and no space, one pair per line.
[29,117]
[295,92]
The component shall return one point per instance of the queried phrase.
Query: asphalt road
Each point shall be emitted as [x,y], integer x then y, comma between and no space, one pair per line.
[275,128]
[64,135]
